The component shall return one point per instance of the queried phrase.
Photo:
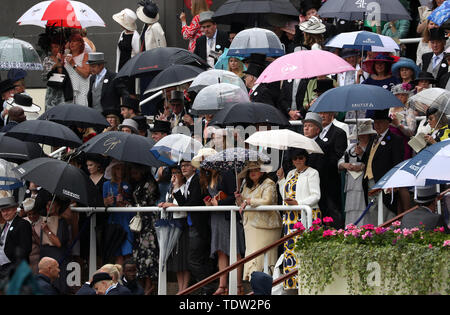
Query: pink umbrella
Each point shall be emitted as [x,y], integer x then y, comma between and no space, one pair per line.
[304,64]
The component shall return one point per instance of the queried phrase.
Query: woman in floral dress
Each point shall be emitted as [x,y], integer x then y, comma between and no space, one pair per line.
[145,249]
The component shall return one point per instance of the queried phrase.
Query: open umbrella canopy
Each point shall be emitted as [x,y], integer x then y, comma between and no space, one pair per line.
[355,97]
[215,97]
[303,64]
[158,59]
[9,180]
[74,115]
[441,14]
[380,10]
[249,113]
[233,159]
[363,40]
[176,147]
[256,41]
[61,13]
[214,76]
[398,177]
[45,132]
[283,139]
[17,151]
[253,12]
[66,181]
[19,54]
[434,97]
[122,146]
[174,75]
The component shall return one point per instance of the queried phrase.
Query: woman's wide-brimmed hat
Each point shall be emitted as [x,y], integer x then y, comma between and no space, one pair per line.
[25,102]
[253,165]
[148,12]
[405,63]
[364,128]
[425,76]
[201,155]
[127,19]
[403,88]
[313,26]
[367,65]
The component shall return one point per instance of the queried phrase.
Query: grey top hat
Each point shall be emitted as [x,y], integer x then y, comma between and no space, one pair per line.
[426,194]
[130,123]
[314,118]
[96,58]
[7,201]
[206,16]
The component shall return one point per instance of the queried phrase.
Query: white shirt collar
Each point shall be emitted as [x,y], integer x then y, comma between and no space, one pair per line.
[325,130]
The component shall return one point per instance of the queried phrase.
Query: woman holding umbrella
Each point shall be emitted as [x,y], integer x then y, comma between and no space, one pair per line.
[145,251]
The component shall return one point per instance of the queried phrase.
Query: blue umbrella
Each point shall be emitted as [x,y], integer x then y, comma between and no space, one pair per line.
[440,14]
[397,177]
[355,97]
[425,158]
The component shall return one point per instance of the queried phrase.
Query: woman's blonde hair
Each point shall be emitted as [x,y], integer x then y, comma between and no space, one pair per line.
[198,6]
[115,271]
[240,72]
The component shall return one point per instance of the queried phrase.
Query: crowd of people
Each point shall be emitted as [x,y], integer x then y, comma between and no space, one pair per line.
[336,184]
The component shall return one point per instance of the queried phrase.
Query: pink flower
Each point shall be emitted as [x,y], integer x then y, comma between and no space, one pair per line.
[415,229]
[446,243]
[368,227]
[356,232]
[380,230]
[396,223]
[350,227]
[317,221]
[441,229]
[347,233]
[430,246]
[340,231]
[406,232]
[329,233]
[299,226]
[397,231]
[327,220]
[366,235]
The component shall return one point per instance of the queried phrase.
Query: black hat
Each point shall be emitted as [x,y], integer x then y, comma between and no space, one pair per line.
[348,52]
[111,111]
[431,111]
[132,103]
[236,28]
[307,5]
[101,276]
[254,69]
[176,96]
[256,58]
[381,115]
[161,126]
[142,122]
[6,85]
[293,152]
[324,85]
[437,34]
[423,75]
[148,12]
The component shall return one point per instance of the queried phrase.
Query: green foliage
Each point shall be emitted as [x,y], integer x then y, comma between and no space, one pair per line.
[409,261]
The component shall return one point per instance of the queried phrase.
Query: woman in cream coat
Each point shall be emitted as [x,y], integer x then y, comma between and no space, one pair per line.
[261,228]
[301,186]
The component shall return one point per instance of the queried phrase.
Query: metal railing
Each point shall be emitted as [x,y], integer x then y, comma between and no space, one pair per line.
[306,219]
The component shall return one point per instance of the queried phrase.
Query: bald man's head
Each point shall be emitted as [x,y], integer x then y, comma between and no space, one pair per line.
[16,114]
[49,267]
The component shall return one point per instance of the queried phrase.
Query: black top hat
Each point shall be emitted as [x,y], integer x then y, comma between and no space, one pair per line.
[423,75]
[348,52]
[324,85]
[437,34]
[101,276]
[256,58]
[254,69]
[236,28]
[132,103]
[307,5]
[161,126]
[177,96]
[142,122]
[381,115]
[111,111]
[6,85]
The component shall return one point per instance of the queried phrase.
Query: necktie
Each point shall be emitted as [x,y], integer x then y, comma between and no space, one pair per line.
[435,61]
[189,221]
[210,43]
[5,230]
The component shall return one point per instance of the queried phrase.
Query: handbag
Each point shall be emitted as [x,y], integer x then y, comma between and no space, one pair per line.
[56,80]
[136,223]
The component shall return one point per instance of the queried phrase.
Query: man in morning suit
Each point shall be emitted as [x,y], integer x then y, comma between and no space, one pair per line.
[213,41]
[435,61]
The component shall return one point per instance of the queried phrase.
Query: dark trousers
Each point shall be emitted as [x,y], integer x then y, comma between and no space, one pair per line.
[200,265]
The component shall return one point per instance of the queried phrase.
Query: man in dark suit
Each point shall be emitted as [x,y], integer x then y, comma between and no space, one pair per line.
[104,91]
[425,215]
[210,45]
[384,151]
[200,265]
[48,272]
[16,236]
[435,61]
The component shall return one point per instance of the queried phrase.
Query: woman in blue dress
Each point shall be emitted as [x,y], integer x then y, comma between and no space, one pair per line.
[117,193]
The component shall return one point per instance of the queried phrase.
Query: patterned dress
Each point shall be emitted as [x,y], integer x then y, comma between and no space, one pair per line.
[192,32]
[145,249]
[289,219]
[53,96]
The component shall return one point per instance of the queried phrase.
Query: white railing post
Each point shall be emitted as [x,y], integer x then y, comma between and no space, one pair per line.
[93,246]
[380,208]
[232,279]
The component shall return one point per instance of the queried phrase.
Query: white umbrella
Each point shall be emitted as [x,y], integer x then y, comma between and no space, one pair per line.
[436,169]
[283,139]
[398,177]
[432,97]
[176,147]
[363,40]
[256,40]
[61,13]
[18,54]
[214,76]
[215,97]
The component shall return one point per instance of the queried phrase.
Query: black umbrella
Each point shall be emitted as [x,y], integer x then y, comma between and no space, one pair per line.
[75,115]
[59,178]
[255,12]
[17,151]
[174,75]
[249,113]
[45,132]
[158,59]
[122,146]
[381,10]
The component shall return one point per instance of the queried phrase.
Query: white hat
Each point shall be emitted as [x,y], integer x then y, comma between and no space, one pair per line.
[148,12]
[28,204]
[127,19]
[365,128]
[313,26]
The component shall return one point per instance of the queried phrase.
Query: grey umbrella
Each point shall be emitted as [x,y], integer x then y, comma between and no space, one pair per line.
[18,54]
